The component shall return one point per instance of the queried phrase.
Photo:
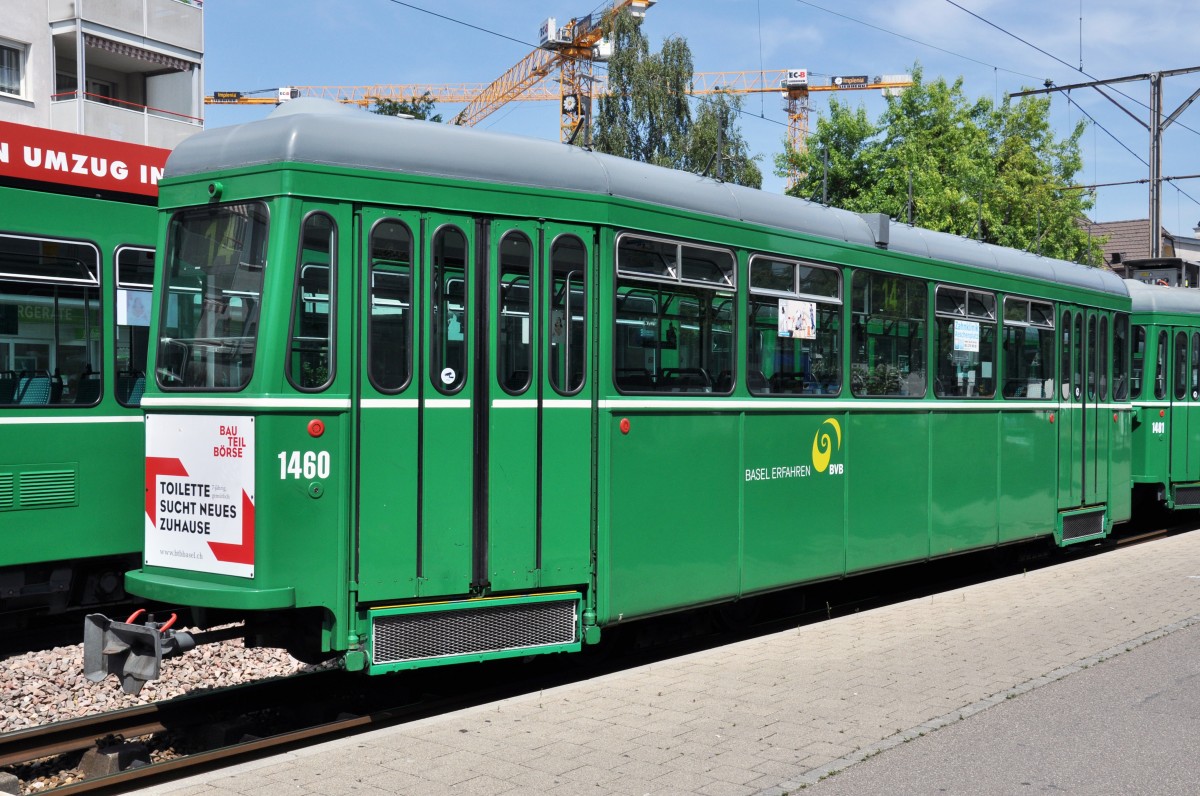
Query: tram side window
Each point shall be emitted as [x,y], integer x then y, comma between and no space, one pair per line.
[1137,362]
[389,326]
[1195,366]
[135,277]
[1028,349]
[310,351]
[49,321]
[513,332]
[966,351]
[888,332]
[448,316]
[674,317]
[568,314]
[1160,367]
[208,323]
[1065,354]
[795,328]
[1181,366]
[1120,358]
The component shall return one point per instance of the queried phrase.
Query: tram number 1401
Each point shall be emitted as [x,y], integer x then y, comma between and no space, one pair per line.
[303,464]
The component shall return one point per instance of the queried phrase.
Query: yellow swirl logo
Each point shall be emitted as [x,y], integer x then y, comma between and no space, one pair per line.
[823,446]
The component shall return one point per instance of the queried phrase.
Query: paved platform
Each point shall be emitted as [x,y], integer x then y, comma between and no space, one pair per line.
[770,715]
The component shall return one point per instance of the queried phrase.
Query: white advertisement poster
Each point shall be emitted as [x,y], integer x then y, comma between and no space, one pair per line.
[200,493]
[797,319]
[966,336]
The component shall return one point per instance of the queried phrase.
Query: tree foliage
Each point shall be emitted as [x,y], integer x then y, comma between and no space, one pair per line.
[647,114]
[418,107]
[979,169]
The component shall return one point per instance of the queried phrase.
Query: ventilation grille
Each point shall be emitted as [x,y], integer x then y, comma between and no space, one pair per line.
[1078,526]
[47,489]
[6,491]
[1187,496]
[473,631]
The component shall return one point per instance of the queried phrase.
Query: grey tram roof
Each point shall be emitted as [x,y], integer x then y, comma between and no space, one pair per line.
[322,132]
[1160,298]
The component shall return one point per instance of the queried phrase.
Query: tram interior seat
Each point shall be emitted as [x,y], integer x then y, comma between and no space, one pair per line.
[724,382]
[634,380]
[757,382]
[56,388]
[130,386]
[787,382]
[33,389]
[684,380]
[87,389]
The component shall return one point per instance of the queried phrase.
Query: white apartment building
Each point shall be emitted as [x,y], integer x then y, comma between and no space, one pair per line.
[128,70]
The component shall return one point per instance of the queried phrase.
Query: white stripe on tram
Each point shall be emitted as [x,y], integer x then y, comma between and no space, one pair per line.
[75,420]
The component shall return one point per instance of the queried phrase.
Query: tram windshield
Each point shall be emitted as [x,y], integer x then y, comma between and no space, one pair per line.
[208,323]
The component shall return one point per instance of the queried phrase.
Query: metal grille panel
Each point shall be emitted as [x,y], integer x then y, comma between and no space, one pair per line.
[473,631]
[47,488]
[6,491]
[1077,526]
[1187,496]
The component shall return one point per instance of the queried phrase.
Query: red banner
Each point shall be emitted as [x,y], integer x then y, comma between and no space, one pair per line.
[81,161]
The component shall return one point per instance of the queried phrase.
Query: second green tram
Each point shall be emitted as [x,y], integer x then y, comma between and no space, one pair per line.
[425,395]
[1166,394]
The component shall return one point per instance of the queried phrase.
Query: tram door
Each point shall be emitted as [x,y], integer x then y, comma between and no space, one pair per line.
[416,338]
[1185,406]
[474,412]
[538,406]
[1083,433]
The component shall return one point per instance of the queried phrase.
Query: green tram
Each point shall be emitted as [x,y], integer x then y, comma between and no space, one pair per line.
[426,395]
[77,234]
[1165,389]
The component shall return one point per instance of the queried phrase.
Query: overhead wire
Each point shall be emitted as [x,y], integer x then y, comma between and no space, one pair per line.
[1068,94]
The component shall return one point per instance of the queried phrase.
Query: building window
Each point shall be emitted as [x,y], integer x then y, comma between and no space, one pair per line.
[12,68]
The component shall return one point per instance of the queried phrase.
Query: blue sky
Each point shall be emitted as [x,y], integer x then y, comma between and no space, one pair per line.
[263,44]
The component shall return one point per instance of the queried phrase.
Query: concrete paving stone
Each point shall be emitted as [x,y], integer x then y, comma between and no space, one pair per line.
[451,773]
[387,748]
[641,771]
[725,789]
[606,758]
[551,764]
[731,774]
[397,782]
[305,771]
[276,788]
[589,775]
[652,753]
[689,780]
[484,784]
[280,768]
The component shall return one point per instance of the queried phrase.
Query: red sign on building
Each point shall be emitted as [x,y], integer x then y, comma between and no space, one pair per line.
[81,161]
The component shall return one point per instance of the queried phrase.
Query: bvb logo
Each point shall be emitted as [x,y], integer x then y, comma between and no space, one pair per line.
[823,446]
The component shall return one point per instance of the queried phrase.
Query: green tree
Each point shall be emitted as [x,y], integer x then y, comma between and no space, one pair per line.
[979,169]
[716,123]
[647,115]
[417,107]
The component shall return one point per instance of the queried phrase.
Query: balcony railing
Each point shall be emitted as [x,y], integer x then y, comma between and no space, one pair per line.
[122,120]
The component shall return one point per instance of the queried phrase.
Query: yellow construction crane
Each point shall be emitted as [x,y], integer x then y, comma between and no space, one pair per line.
[572,49]
[794,86]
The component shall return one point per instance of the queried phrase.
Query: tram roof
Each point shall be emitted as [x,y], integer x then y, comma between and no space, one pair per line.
[323,132]
[1160,298]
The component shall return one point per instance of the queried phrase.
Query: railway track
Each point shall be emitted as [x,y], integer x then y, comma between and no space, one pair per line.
[121,751]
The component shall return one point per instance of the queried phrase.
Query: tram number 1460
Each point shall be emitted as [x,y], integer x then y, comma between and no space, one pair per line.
[303,464]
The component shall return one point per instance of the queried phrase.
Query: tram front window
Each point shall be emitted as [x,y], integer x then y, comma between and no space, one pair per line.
[214,274]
